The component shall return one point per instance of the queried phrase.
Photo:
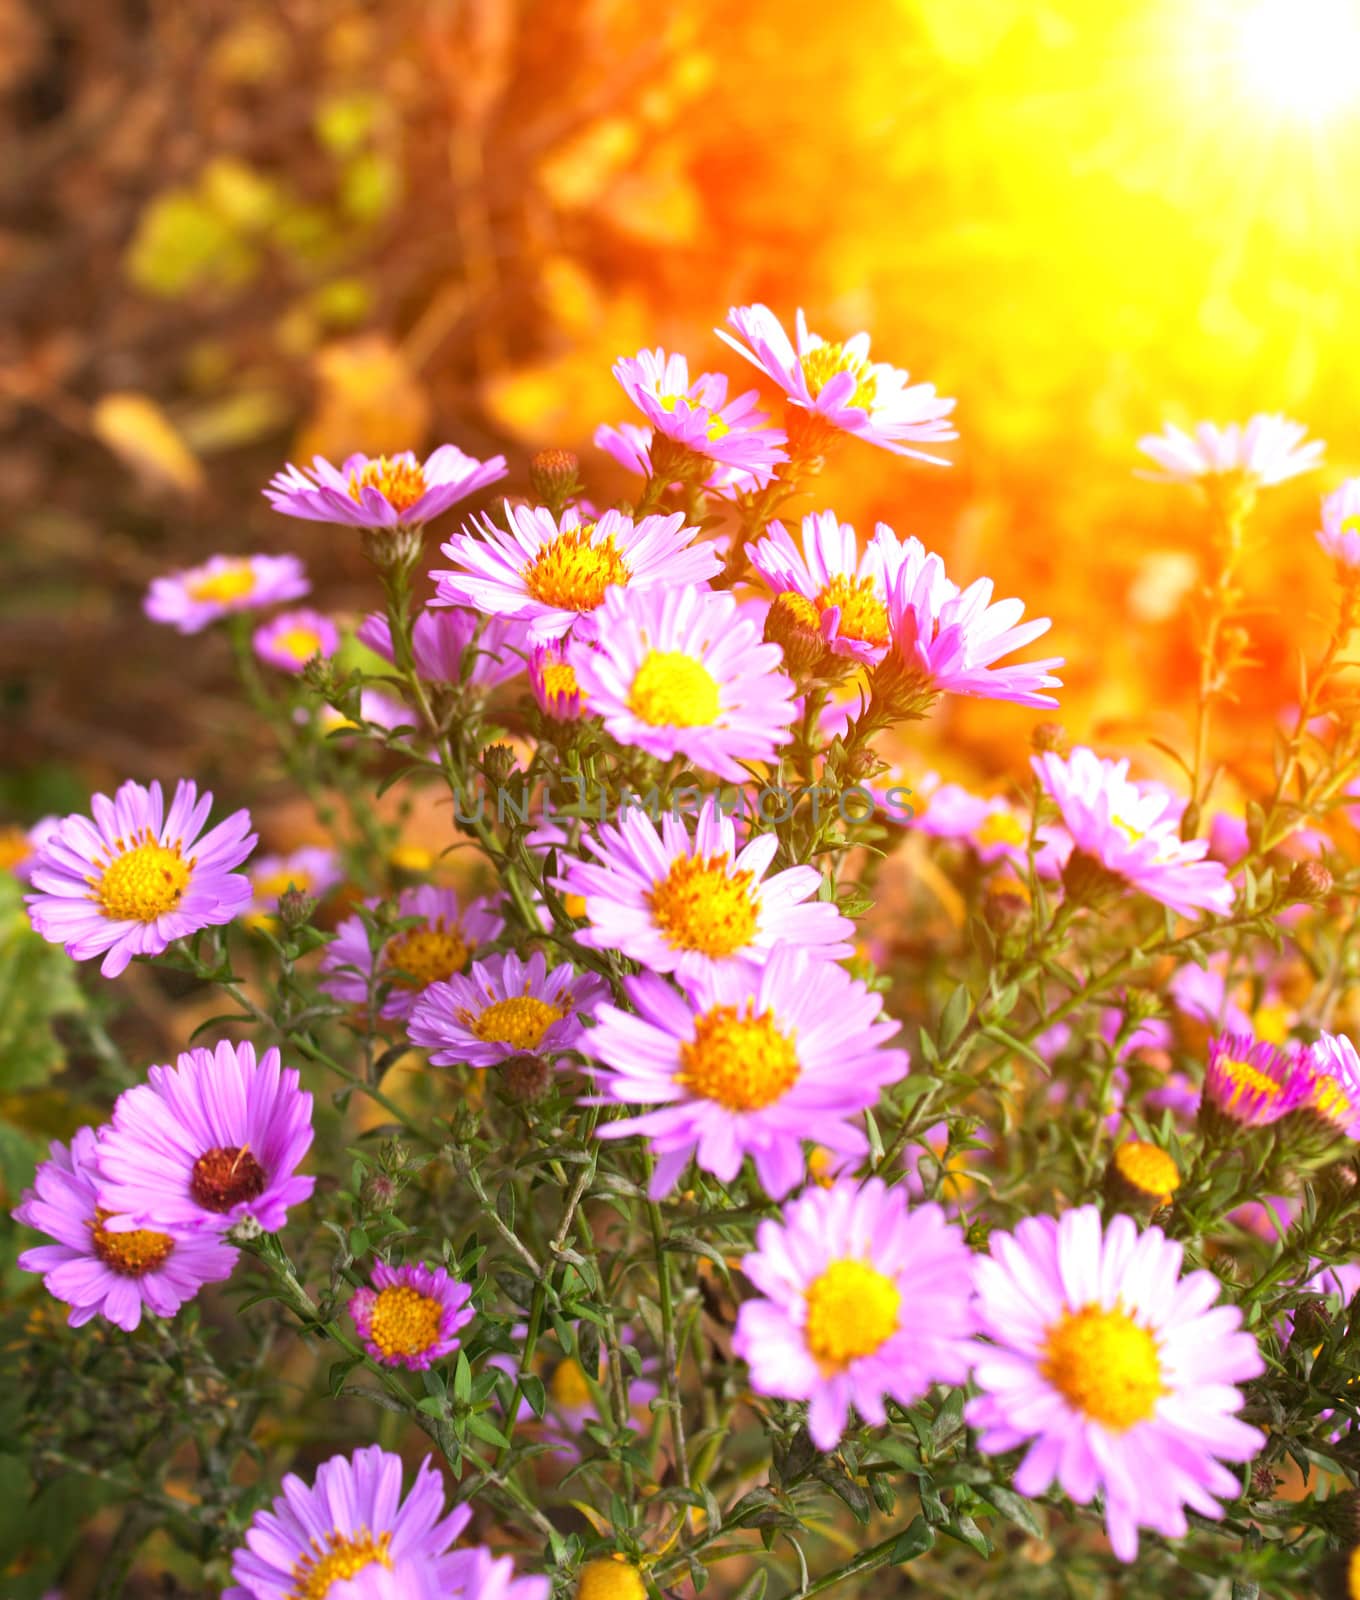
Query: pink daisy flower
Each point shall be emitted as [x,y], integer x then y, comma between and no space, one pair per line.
[1335,1089]
[687,904]
[1340,532]
[550,573]
[552,678]
[683,672]
[100,1273]
[1118,1373]
[352,1519]
[839,387]
[446,646]
[1251,1083]
[411,1316]
[212,1141]
[749,1060]
[698,416]
[290,640]
[1264,451]
[431,951]
[504,1007]
[311,870]
[1132,831]
[861,1299]
[138,877]
[188,601]
[382,491]
[991,826]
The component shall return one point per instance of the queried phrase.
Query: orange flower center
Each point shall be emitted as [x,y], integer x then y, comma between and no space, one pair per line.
[341,1555]
[1106,1365]
[131,1255]
[404,1322]
[573,572]
[864,616]
[742,1063]
[431,954]
[700,905]
[399,480]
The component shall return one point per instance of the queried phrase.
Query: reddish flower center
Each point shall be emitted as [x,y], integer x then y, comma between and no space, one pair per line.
[223,1178]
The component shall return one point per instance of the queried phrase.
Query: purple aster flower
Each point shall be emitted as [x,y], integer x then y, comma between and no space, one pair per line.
[188,601]
[1118,1373]
[861,1298]
[411,1316]
[553,681]
[683,904]
[312,870]
[441,641]
[839,388]
[382,491]
[1267,450]
[1340,532]
[352,1519]
[100,1273]
[136,878]
[212,1141]
[683,672]
[431,951]
[504,1007]
[991,826]
[699,417]
[1335,1090]
[1252,1083]
[748,1060]
[290,640]
[1131,831]
[550,573]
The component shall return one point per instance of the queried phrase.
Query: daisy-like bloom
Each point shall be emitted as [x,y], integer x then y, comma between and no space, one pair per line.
[352,1519]
[1339,535]
[1250,1083]
[100,1273]
[549,573]
[504,1007]
[311,870]
[1264,451]
[212,1141]
[1130,832]
[431,951]
[1120,1372]
[1334,1093]
[188,601]
[991,826]
[839,388]
[862,1298]
[411,1316]
[683,672]
[748,1060]
[137,877]
[19,846]
[290,640]
[382,491]
[683,904]
[946,640]
[830,584]
[698,416]
[442,640]
[553,681]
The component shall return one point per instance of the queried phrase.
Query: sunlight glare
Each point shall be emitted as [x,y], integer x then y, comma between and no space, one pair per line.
[1302,55]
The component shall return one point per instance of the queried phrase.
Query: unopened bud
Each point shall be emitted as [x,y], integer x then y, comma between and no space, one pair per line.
[1263,1482]
[553,477]
[295,908]
[378,1191]
[318,675]
[526,1078]
[793,623]
[1312,1321]
[498,763]
[1310,880]
[1048,738]
[1005,910]
[1190,821]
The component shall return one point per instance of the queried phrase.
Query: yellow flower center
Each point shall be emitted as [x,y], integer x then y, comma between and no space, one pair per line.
[1106,1365]
[300,644]
[1149,1169]
[569,1387]
[672,690]
[431,954]
[700,906]
[1243,1079]
[560,678]
[798,609]
[1351,524]
[742,1063]
[233,582]
[1331,1101]
[520,1022]
[852,1310]
[341,1556]
[1271,1022]
[404,1322]
[1132,834]
[863,614]
[143,882]
[1001,827]
[572,573]
[827,360]
[717,428]
[14,848]
[131,1255]
[400,481]
[610,1578]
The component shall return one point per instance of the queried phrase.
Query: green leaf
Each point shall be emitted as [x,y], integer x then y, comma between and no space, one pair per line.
[37,985]
[915,1541]
[1014,1507]
[480,1428]
[955,1016]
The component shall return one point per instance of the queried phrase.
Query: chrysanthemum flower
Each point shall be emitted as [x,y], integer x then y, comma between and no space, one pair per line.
[749,1060]
[100,1273]
[553,681]
[683,904]
[312,870]
[433,950]
[411,1316]
[136,878]
[504,1007]
[1264,451]
[1340,532]
[698,416]
[840,388]
[550,573]
[945,640]
[1335,1089]
[212,1141]
[382,491]
[352,1519]
[683,672]
[1131,831]
[1252,1083]
[188,601]
[290,640]
[1118,1374]
[862,1298]
[441,641]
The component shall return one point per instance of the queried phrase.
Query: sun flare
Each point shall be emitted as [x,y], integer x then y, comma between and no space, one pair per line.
[1303,56]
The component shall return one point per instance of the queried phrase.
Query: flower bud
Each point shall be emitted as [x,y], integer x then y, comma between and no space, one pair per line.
[1048,737]
[295,908]
[527,1078]
[793,624]
[498,763]
[1310,880]
[553,477]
